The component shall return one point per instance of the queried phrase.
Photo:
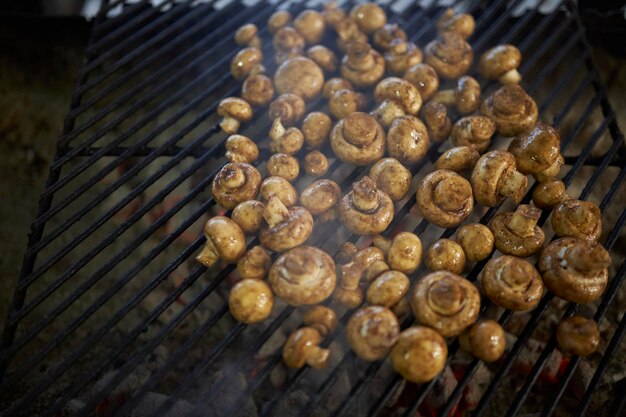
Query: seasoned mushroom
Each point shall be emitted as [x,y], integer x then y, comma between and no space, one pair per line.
[241,148]
[473,131]
[575,269]
[465,97]
[311,25]
[320,196]
[316,127]
[323,57]
[388,289]
[517,233]
[247,35]
[233,112]
[512,109]
[333,85]
[348,32]
[383,37]
[288,42]
[283,165]
[476,240]
[578,336]
[277,20]
[391,177]
[362,65]
[424,78]
[254,264]
[248,61]
[437,122]
[407,140]
[287,141]
[395,97]
[461,23]
[445,255]
[495,177]
[333,14]
[445,198]
[401,55]
[404,253]
[372,331]
[449,55]
[302,348]
[552,171]
[289,108]
[549,194]
[460,159]
[303,276]
[485,340]
[345,102]
[249,215]
[346,252]
[366,210]
[372,261]
[250,301]
[321,318]
[286,227]
[279,187]
[581,219]
[224,240]
[501,63]
[419,355]
[234,183]
[538,151]
[446,302]
[300,76]
[315,164]
[257,90]
[358,139]
[369,16]
[511,283]
[348,293]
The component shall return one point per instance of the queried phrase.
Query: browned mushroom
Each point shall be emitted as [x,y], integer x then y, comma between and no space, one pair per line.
[283,165]
[248,61]
[320,196]
[369,16]
[383,37]
[257,90]
[348,292]
[348,32]
[445,198]
[362,65]
[460,159]
[419,355]
[254,264]
[407,140]
[445,255]
[372,331]
[233,112]
[358,139]
[303,276]
[224,240]
[315,164]
[250,301]
[449,55]
[300,76]
[552,171]
[581,219]
[495,177]
[401,55]
[578,336]
[323,57]
[287,42]
[485,340]
[538,151]
[476,240]
[346,252]
[372,261]
[286,227]
[391,177]
[277,20]
[366,210]
[311,25]
[517,233]
[446,302]
[234,183]
[249,215]
[424,78]
[321,318]
[395,97]
[302,348]
[437,122]
[549,194]
[241,148]
[345,102]
[404,253]
[333,14]
[289,108]
[474,131]
[512,283]
[461,23]
[512,109]
[332,85]
[388,289]
[575,269]
[465,96]
[247,35]
[501,63]
[279,187]
[287,141]
[316,127]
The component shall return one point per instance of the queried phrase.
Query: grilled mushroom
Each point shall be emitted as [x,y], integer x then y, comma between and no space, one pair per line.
[445,255]
[384,36]
[501,63]
[511,283]
[286,227]
[320,196]
[288,43]
[395,97]
[445,198]
[419,355]
[311,25]
[302,348]
[404,253]
[332,85]
[391,177]
[250,301]
[300,76]
[288,108]
[321,318]
[283,165]
[388,289]
[424,78]
[460,159]
[346,252]
[248,61]
[449,55]
[345,102]
[372,261]
[323,57]
[372,331]
[233,112]
[315,164]
[578,336]
[549,194]
[476,240]
[474,131]
[247,35]
[281,188]
[224,240]
[348,32]
[241,148]
[358,139]
[437,122]
[254,264]
[575,269]
[407,140]
[495,177]
[538,151]
[465,97]
[249,215]
[485,340]
[316,127]
[512,109]
[517,233]
[333,13]
[461,23]
[362,65]
[401,55]
[348,293]
[287,141]
[277,20]
[366,210]
[257,90]
[234,183]
[369,17]
[581,219]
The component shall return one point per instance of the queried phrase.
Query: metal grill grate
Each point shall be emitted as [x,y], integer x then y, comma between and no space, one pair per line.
[142,128]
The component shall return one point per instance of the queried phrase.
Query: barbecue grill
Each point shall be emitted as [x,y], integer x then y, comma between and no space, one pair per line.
[111,316]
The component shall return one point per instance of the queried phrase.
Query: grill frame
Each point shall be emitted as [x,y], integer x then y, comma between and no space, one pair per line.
[102,39]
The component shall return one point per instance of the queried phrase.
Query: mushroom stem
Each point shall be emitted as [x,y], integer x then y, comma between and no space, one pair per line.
[447,97]
[382,243]
[277,130]
[351,275]
[275,212]
[514,185]
[387,111]
[524,220]
[317,357]
[375,269]
[365,195]
[229,125]
[587,258]
[510,77]
[209,254]
[233,177]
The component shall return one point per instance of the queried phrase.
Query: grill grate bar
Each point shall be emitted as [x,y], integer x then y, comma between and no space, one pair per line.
[108,6]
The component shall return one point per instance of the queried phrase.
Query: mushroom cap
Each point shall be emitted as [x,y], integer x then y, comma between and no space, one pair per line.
[254,264]
[419,355]
[461,23]
[509,242]
[574,269]
[320,196]
[445,255]
[278,19]
[391,177]
[446,302]
[283,165]
[458,159]
[348,32]
[321,318]
[300,76]
[325,58]
[399,91]
[475,131]
[315,164]
[311,25]
[488,177]
[257,90]
[245,34]
[288,108]
[467,94]
[345,102]
[301,345]
[581,219]
[370,68]
[236,108]
[358,139]
[303,276]
[369,222]
[578,336]
[485,339]
[388,289]
[281,188]
[241,148]
[449,55]
[476,240]
[383,37]
[512,283]
[401,55]
[405,252]
[369,17]
[288,40]
[234,183]
[226,238]
[512,109]
[250,301]
[372,331]
[424,78]
[548,194]
[445,198]
[335,84]
[436,118]
[245,62]
[289,233]
[249,215]
[537,150]
[499,60]
[407,140]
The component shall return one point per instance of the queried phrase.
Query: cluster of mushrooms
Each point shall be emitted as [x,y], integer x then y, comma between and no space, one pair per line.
[409,111]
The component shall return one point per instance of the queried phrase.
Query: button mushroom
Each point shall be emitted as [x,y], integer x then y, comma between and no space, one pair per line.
[449,55]
[362,65]
[283,165]
[485,340]
[424,78]
[445,198]
[404,253]
[372,331]
[407,140]
[401,55]
[333,14]
[289,108]
[320,196]
[332,85]
[366,210]
[316,127]
[446,302]
[437,122]
[287,141]
[445,255]
[511,283]
[321,318]
[473,131]
[581,219]
[234,183]
[303,276]
[279,187]
[395,97]
[348,293]
[241,148]
[277,20]
[495,177]
[476,240]
[461,23]
[248,61]
[517,233]
[465,96]
[358,139]
[302,348]
[391,177]
[254,264]
[538,151]
[384,36]
[512,109]
[388,289]
[300,76]
[311,25]
[419,355]
[460,159]
[224,240]
[247,35]
[348,32]
[372,261]
[323,57]
[369,17]
[315,164]
[345,102]
[249,215]
[501,63]
[346,252]
[233,112]
[257,90]
[548,194]
[575,269]
[286,227]
[250,301]
[288,43]
[578,336]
